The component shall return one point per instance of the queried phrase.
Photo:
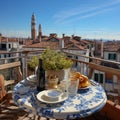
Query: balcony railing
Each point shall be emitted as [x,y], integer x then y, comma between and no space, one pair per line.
[94,70]
[110,79]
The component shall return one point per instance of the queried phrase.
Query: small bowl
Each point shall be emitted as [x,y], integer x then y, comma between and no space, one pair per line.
[32,79]
[53,94]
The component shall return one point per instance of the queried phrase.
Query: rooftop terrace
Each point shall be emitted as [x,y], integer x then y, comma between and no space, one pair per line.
[111,110]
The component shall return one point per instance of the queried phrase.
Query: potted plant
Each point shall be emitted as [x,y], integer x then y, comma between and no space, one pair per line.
[53,60]
[32,64]
[55,63]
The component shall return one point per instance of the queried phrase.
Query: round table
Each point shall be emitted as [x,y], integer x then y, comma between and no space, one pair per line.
[85,103]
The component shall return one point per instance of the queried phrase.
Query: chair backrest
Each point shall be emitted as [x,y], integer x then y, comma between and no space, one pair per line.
[9,83]
[15,65]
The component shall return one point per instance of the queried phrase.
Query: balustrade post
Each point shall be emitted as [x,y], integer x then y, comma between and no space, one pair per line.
[118,80]
[82,68]
[91,70]
[25,64]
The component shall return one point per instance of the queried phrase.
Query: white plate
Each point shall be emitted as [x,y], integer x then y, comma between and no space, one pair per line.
[41,96]
[84,88]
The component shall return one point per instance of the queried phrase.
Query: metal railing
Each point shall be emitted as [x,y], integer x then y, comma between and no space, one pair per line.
[94,70]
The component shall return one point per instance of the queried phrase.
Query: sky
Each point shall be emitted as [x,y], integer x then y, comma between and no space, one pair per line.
[91,19]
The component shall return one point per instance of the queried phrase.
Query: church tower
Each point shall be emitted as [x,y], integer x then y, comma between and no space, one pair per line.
[33,27]
[40,33]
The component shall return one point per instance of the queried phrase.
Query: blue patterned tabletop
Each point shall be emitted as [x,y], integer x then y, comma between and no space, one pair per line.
[85,103]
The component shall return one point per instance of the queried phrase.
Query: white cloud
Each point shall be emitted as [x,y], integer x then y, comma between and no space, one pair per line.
[79,13]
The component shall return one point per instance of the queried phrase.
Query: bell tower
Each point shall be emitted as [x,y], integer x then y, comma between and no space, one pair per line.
[33,27]
[40,33]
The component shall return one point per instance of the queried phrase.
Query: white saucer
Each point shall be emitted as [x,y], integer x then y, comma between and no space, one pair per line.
[41,96]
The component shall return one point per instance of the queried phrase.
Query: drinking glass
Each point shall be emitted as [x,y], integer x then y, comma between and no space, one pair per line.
[63,86]
[73,87]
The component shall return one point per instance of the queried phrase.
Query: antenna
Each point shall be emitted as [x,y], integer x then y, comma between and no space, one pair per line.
[74,31]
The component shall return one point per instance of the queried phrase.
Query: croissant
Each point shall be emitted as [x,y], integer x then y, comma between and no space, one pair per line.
[83,80]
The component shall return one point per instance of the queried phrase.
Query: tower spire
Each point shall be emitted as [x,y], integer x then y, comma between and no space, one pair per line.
[40,32]
[33,27]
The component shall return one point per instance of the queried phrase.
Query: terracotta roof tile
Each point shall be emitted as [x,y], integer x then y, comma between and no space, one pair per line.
[5,39]
[52,45]
[113,46]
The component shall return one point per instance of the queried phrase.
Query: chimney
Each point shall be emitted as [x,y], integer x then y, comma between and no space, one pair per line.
[72,36]
[61,43]
[63,35]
